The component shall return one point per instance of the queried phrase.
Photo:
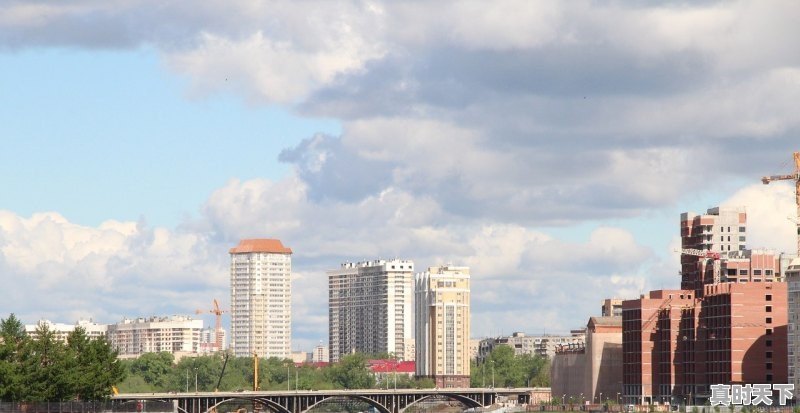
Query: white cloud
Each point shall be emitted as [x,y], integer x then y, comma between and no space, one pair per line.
[771,215]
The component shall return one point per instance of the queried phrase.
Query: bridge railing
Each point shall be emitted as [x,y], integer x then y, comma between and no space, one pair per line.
[144,406]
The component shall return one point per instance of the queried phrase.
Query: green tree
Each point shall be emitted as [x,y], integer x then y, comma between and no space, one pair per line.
[153,368]
[13,339]
[351,372]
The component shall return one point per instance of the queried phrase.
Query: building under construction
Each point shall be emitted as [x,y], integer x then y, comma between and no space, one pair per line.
[726,325]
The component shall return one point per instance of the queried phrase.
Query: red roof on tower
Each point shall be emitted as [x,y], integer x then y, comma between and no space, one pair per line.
[272,246]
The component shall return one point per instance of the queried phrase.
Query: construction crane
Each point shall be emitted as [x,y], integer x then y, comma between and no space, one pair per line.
[218,325]
[706,254]
[795,176]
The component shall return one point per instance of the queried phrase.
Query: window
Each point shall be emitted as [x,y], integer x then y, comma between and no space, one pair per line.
[769,377]
[768,272]
[721,238]
[769,332]
[769,354]
[742,229]
[756,272]
[768,343]
[729,229]
[729,238]
[742,239]
[769,320]
[742,272]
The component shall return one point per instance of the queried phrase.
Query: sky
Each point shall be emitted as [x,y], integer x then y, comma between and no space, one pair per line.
[551,146]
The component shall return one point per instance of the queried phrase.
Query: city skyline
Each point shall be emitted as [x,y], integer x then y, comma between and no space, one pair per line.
[530,142]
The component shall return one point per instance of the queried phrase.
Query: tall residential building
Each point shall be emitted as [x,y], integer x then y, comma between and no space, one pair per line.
[370,307]
[442,325]
[179,335]
[261,298]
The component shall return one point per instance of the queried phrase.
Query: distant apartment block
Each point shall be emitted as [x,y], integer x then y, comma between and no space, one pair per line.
[611,307]
[591,370]
[443,325]
[62,331]
[320,354]
[370,308]
[411,350]
[474,346]
[179,335]
[539,345]
[208,340]
[261,298]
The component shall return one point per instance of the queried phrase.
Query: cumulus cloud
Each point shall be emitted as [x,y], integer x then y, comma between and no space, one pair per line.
[463,139]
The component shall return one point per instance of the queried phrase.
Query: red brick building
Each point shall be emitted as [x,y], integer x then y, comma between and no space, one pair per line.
[675,345]
[726,325]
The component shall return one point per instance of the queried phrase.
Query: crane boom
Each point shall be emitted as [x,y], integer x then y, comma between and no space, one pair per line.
[218,323]
[796,178]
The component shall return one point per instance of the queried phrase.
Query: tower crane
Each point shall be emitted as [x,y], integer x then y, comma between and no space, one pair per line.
[218,326]
[795,176]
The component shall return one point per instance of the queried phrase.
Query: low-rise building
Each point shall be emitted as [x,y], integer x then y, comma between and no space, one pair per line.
[62,331]
[539,345]
[320,354]
[179,335]
[591,370]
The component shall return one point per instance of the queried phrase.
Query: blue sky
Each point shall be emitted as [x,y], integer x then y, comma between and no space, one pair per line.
[532,141]
[99,135]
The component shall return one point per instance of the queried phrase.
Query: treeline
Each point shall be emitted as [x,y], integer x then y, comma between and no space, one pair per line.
[510,370]
[157,372]
[47,369]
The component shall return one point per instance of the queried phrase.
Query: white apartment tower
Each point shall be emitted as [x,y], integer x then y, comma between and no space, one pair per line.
[370,307]
[261,298]
[442,325]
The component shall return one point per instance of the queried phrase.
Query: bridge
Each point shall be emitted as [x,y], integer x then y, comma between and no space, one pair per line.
[384,401]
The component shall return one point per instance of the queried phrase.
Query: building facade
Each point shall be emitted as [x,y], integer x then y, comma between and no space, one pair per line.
[62,331]
[261,298]
[675,345]
[443,325]
[208,340]
[370,308]
[320,354]
[793,330]
[179,335]
[538,345]
[591,372]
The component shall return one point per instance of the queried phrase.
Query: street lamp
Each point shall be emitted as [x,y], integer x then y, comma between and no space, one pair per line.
[601,397]
[195,379]
[618,398]
[492,373]
[187,380]
[564,399]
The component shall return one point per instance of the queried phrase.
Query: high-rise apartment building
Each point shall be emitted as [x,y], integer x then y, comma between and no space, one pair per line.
[370,308]
[442,325]
[320,354]
[261,298]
